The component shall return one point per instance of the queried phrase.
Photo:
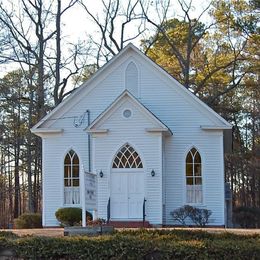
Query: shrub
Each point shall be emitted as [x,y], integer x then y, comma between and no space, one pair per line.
[8,234]
[181,214]
[29,220]
[140,244]
[199,217]
[70,216]
[247,217]
[96,222]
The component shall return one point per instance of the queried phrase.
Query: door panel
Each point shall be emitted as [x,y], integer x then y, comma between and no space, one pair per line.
[135,195]
[119,197]
[127,194]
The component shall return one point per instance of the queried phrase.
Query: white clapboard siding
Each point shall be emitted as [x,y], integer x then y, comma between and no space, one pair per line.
[173,107]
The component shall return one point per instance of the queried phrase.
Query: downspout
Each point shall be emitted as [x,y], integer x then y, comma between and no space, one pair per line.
[89,156]
[83,185]
[89,161]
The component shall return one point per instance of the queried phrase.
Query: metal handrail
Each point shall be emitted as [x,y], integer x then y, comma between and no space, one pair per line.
[144,215]
[108,210]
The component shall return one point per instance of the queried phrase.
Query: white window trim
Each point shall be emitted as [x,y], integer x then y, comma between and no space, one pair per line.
[63,184]
[202,203]
[123,116]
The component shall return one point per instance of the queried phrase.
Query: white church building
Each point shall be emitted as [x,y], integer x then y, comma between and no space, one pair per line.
[132,143]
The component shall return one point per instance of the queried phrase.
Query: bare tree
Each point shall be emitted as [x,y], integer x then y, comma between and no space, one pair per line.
[113,25]
[72,63]
[31,37]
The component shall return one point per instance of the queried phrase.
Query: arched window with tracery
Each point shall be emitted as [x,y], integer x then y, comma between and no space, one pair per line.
[127,157]
[71,178]
[193,177]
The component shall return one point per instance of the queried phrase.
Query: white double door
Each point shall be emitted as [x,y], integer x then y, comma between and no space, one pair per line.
[127,194]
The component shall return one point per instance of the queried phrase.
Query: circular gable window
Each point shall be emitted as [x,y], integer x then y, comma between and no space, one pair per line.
[127,113]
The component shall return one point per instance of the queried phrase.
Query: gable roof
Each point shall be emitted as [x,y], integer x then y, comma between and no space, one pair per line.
[161,127]
[77,91]
[129,47]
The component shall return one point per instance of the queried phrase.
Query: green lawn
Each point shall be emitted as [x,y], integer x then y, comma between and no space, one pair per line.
[139,244]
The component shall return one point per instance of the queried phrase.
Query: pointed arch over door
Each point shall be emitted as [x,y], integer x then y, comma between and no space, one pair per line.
[127,157]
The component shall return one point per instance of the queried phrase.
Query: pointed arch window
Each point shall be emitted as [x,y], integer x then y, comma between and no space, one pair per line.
[127,157]
[71,178]
[193,177]
[131,79]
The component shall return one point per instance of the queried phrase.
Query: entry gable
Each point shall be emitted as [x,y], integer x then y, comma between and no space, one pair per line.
[157,124]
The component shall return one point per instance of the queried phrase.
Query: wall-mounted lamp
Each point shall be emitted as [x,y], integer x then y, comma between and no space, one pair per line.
[153,173]
[101,174]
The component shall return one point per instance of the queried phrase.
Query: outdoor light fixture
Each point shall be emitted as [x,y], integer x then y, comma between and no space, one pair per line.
[152,173]
[101,174]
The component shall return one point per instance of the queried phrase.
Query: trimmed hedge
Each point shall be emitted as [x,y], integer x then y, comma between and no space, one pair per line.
[8,234]
[29,220]
[142,244]
[71,216]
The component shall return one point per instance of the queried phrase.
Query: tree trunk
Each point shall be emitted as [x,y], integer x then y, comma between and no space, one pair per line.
[58,54]
[29,156]
[17,182]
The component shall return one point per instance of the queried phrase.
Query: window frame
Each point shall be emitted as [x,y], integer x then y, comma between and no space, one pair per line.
[70,177]
[194,177]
